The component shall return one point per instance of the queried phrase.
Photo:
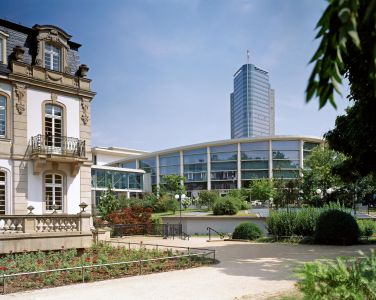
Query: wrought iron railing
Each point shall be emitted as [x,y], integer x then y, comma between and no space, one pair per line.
[165,230]
[60,145]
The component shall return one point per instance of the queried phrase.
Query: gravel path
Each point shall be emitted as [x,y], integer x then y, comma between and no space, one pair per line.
[245,271]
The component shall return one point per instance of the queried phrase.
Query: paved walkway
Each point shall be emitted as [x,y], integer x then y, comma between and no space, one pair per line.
[246,270]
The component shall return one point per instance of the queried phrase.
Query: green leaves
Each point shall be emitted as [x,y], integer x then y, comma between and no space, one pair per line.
[337,28]
[344,278]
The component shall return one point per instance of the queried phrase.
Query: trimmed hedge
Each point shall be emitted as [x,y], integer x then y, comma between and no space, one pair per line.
[335,227]
[367,228]
[247,231]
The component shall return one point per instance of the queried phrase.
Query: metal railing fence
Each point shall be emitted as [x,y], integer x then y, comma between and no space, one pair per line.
[202,252]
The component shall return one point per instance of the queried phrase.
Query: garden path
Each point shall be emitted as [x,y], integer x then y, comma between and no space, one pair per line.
[245,271]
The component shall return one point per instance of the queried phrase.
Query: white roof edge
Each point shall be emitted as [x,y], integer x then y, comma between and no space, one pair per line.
[228,141]
[118,169]
[117,151]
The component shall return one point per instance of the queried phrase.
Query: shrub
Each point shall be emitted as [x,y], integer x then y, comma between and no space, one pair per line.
[366,227]
[349,278]
[281,223]
[134,215]
[207,198]
[305,221]
[335,227]
[247,231]
[225,206]
[164,204]
[108,203]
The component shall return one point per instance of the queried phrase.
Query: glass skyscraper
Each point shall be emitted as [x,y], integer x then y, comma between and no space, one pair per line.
[252,104]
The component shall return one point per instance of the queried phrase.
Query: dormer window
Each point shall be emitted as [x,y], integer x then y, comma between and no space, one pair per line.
[3,47]
[52,57]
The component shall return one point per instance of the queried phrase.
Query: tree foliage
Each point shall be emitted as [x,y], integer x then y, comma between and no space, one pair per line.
[108,203]
[262,190]
[318,174]
[347,31]
[173,184]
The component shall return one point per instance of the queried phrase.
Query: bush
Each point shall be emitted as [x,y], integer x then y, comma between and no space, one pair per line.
[349,278]
[335,227]
[207,198]
[247,231]
[108,203]
[281,223]
[226,206]
[366,227]
[166,203]
[301,222]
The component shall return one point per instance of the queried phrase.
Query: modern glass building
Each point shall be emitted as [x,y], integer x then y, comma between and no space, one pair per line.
[252,103]
[123,181]
[227,164]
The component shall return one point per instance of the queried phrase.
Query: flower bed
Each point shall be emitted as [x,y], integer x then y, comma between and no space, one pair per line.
[108,262]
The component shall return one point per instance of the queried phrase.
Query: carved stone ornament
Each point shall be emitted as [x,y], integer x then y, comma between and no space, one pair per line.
[53,97]
[20,97]
[51,34]
[18,53]
[84,111]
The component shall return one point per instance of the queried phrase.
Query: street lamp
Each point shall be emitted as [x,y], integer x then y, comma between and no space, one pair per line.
[180,198]
[318,192]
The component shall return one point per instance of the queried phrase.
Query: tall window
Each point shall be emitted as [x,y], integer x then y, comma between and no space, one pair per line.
[2,193]
[53,126]
[1,50]
[53,192]
[52,56]
[3,116]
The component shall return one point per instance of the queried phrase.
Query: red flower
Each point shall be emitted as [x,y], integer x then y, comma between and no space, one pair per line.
[87,259]
[3,268]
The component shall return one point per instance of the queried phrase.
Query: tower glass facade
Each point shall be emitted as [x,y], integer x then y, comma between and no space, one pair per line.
[252,103]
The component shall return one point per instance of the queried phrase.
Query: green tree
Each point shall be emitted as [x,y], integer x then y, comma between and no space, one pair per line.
[262,190]
[347,31]
[207,198]
[173,184]
[108,203]
[318,174]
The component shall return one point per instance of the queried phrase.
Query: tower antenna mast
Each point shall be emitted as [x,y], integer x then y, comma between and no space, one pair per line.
[247,57]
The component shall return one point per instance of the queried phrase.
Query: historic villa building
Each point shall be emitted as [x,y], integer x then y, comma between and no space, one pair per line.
[45,139]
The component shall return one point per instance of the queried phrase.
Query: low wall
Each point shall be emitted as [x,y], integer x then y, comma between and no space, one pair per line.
[199,224]
[19,233]
[44,241]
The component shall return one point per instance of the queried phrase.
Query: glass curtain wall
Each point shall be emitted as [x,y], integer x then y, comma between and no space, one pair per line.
[224,166]
[149,166]
[195,169]
[254,161]
[285,159]
[117,180]
[307,149]
[169,164]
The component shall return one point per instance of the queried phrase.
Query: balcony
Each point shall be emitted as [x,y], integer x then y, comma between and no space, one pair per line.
[51,148]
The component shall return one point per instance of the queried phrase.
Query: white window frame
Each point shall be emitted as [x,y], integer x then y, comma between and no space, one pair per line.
[4,183]
[54,185]
[5,116]
[3,37]
[52,54]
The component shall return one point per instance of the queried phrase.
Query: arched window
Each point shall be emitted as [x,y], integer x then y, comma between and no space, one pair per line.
[3,116]
[52,56]
[53,127]
[53,191]
[2,193]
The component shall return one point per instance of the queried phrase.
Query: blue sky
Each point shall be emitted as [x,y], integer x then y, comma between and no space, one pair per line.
[163,69]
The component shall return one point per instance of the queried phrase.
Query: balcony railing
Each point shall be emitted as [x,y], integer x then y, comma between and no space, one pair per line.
[58,145]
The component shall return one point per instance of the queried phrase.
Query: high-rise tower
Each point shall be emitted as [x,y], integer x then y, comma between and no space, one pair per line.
[252,103]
